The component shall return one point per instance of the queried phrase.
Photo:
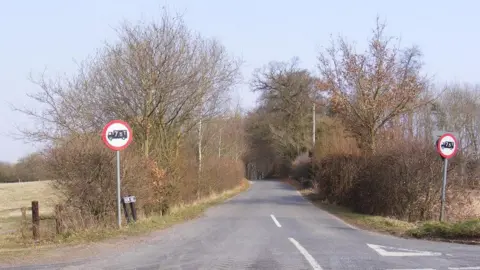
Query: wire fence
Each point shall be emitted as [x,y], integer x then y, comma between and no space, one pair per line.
[25,222]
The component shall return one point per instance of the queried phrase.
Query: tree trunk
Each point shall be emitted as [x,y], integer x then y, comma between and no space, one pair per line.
[147,141]
[220,144]
[372,143]
[410,125]
[177,144]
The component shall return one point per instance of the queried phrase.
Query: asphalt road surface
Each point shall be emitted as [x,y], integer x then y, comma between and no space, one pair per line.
[271,226]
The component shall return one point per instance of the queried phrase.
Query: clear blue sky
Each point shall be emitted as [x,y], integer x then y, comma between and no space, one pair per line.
[52,34]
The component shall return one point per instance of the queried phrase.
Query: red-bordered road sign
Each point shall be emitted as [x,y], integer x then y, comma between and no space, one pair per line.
[117,135]
[447,145]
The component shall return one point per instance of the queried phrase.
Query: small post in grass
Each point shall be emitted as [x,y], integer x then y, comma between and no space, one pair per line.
[125,210]
[59,218]
[35,220]
[130,200]
[24,223]
[132,207]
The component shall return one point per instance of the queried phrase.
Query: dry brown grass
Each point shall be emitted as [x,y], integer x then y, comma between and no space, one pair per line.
[14,196]
[17,195]
[11,247]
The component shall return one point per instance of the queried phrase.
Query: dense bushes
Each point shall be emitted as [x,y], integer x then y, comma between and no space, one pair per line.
[86,175]
[402,180]
[336,176]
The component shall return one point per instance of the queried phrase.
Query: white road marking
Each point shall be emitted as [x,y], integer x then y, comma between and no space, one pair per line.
[305,254]
[401,252]
[450,268]
[414,269]
[276,221]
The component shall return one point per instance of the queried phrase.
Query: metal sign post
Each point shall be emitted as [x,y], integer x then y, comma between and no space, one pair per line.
[447,147]
[444,188]
[117,135]
[119,216]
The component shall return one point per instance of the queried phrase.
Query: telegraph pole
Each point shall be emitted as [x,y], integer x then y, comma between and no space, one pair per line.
[200,146]
[313,126]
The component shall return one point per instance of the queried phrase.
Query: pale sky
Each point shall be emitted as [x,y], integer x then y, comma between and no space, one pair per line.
[52,34]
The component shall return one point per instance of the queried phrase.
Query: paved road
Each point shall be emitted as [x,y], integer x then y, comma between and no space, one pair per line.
[272,227]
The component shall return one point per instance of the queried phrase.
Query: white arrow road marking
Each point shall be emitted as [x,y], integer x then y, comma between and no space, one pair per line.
[413,269]
[401,252]
[276,221]
[79,268]
[450,268]
[305,254]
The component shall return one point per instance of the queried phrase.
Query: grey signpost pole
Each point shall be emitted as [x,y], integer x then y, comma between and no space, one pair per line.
[119,207]
[444,187]
[447,146]
[117,135]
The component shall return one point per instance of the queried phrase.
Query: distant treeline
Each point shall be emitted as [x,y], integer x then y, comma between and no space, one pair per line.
[27,169]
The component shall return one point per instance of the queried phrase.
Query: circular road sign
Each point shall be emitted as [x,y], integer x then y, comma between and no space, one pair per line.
[447,145]
[117,135]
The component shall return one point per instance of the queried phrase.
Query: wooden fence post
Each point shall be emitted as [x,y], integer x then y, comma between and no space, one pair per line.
[134,211]
[23,225]
[35,220]
[125,210]
[24,213]
[59,218]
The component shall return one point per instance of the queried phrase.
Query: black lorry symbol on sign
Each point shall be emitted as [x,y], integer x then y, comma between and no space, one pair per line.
[117,134]
[447,144]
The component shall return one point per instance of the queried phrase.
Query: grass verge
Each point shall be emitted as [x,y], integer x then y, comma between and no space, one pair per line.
[466,232]
[14,245]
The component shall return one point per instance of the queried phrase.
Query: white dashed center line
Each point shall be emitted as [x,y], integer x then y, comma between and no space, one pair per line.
[305,254]
[276,221]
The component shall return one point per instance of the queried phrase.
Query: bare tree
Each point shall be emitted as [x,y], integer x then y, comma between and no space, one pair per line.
[372,88]
[460,105]
[156,77]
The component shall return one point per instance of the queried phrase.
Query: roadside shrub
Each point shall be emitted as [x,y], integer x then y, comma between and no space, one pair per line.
[220,174]
[85,172]
[302,170]
[336,177]
[86,175]
[403,182]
